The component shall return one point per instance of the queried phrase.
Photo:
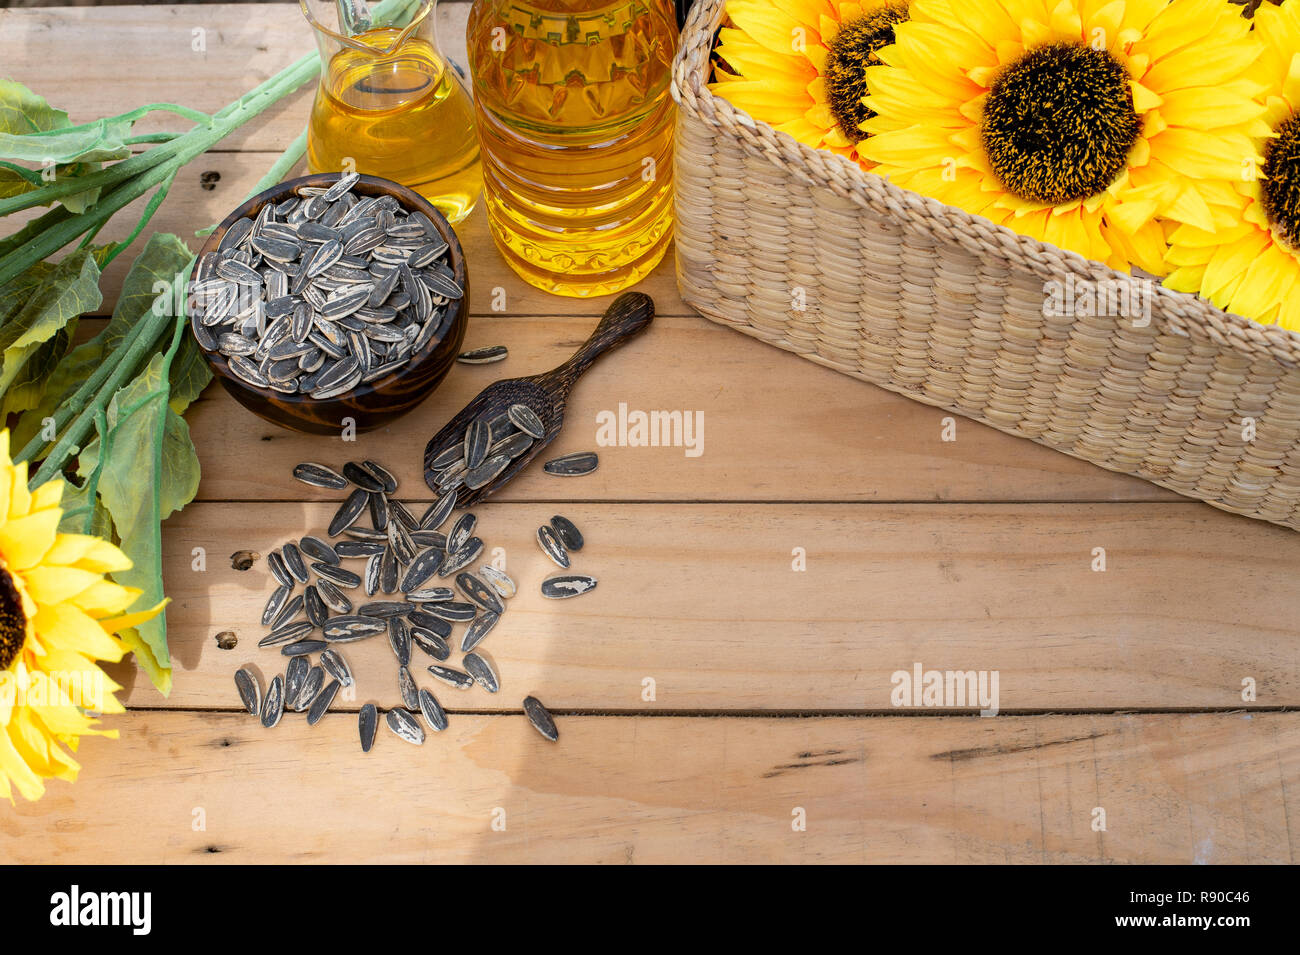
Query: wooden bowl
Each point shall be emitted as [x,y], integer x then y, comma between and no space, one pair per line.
[374,404]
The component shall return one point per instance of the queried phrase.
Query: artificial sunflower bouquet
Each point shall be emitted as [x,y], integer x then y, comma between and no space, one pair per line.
[1151,135]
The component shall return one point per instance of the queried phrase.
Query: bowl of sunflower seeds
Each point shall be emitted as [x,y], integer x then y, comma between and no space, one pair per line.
[331,297]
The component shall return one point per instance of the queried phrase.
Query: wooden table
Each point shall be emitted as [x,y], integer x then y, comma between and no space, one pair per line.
[709,695]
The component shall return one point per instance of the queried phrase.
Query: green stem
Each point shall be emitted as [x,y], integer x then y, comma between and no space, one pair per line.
[150,208]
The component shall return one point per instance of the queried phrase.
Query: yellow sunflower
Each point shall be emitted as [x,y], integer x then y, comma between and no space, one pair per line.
[1250,262]
[58,617]
[1082,123]
[800,65]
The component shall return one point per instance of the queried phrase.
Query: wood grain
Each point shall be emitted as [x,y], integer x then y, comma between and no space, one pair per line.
[702,599]
[775,427]
[1175,789]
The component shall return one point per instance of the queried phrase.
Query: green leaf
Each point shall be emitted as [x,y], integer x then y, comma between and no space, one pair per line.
[22,111]
[28,388]
[149,471]
[69,289]
[190,374]
[163,256]
[83,516]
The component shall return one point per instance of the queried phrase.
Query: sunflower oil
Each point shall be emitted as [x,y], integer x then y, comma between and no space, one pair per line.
[575,122]
[401,114]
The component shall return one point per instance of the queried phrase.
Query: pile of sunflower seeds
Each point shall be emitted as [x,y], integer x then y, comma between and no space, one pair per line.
[402,557]
[324,291]
[490,444]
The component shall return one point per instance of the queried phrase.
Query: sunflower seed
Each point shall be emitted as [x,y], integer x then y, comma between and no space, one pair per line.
[461,558]
[336,666]
[353,627]
[441,284]
[397,511]
[567,532]
[278,250]
[477,437]
[334,598]
[567,585]
[293,560]
[481,671]
[486,472]
[479,592]
[429,539]
[295,675]
[231,343]
[526,420]
[302,647]
[317,549]
[379,511]
[512,445]
[432,711]
[287,612]
[348,512]
[325,255]
[427,621]
[438,512]
[477,630]
[367,723]
[358,548]
[399,638]
[361,477]
[430,643]
[499,580]
[279,597]
[372,571]
[406,686]
[315,607]
[403,724]
[273,705]
[250,690]
[430,595]
[345,182]
[483,356]
[453,611]
[399,539]
[572,465]
[422,567]
[275,564]
[286,633]
[388,571]
[237,233]
[322,703]
[447,457]
[540,718]
[368,534]
[461,531]
[384,608]
[453,677]
[310,688]
[336,575]
[549,541]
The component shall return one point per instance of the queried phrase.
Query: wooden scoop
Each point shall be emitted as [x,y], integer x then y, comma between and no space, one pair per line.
[545,394]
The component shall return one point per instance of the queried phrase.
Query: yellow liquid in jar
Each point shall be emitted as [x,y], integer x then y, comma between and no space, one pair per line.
[575,121]
[402,116]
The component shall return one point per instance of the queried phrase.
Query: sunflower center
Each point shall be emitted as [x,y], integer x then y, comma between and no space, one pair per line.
[13,622]
[1059,123]
[849,54]
[1281,184]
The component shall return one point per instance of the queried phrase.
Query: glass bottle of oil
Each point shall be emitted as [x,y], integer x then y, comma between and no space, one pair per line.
[575,122]
[389,104]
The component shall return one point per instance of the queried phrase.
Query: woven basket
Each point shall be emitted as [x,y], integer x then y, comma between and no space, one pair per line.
[802,249]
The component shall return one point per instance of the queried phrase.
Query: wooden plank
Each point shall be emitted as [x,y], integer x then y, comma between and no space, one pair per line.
[772,427]
[220,789]
[702,599]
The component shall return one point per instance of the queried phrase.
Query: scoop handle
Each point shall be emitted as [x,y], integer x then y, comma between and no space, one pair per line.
[628,315]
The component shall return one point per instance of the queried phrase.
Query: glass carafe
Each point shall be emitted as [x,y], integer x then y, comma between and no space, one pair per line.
[389,104]
[575,122]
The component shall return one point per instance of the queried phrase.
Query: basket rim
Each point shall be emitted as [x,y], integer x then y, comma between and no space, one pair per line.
[1179,313]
